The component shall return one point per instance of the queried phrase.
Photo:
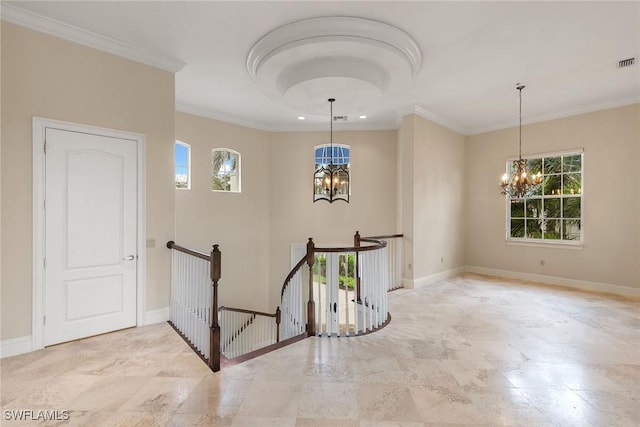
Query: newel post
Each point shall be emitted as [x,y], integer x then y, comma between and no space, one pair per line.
[356,244]
[214,330]
[278,319]
[311,305]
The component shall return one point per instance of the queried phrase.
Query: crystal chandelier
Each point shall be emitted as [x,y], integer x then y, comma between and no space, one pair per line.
[331,182]
[520,184]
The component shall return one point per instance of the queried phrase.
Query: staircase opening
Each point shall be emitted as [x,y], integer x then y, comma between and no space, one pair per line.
[330,291]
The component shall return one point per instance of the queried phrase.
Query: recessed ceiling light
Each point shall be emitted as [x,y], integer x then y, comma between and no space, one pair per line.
[363,116]
[301,117]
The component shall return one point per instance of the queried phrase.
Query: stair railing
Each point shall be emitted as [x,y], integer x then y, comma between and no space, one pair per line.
[309,306]
[245,331]
[194,300]
[350,302]
[394,257]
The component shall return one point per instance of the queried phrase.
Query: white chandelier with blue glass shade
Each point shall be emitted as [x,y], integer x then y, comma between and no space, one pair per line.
[331,180]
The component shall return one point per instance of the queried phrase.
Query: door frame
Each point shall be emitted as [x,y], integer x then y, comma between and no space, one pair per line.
[38,279]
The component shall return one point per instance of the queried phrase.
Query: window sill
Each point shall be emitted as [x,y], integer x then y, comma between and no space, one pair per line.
[578,246]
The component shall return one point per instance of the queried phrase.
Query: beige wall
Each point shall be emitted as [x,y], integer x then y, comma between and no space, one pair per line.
[238,222]
[405,192]
[434,217]
[438,205]
[47,77]
[611,204]
[255,229]
[294,217]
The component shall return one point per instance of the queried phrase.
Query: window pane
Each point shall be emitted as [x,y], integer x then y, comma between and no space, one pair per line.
[552,208]
[572,183]
[551,229]
[535,166]
[571,207]
[571,229]
[517,208]
[551,185]
[534,208]
[572,163]
[534,230]
[225,170]
[181,163]
[552,165]
[517,228]
[323,155]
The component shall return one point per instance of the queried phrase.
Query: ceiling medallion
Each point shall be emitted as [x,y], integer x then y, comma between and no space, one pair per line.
[307,61]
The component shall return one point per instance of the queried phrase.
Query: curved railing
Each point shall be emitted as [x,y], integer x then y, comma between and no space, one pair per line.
[351,286]
[341,292]
[293,298]
[347,286]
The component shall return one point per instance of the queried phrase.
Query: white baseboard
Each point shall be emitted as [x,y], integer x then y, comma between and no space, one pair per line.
[21,345]
[584,285]
[156,316]
[16,346]
[432,278]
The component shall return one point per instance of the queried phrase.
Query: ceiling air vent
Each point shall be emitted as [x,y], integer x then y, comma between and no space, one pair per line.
[339,118]
[626,62]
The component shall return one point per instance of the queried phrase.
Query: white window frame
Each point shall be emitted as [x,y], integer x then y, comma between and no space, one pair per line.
[239,170]
[188,165]
[550,243]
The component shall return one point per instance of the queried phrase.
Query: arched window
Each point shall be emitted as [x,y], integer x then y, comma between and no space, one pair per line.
[340,155]
[182,165]
[225,170]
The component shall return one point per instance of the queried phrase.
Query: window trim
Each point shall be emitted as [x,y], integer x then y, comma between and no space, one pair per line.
[548,243]
[239,169]
[175,164]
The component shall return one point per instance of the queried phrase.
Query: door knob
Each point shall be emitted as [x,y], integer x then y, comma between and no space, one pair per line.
[129,258]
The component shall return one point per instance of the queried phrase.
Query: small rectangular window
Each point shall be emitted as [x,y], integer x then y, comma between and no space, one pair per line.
[553,214]
[182,162]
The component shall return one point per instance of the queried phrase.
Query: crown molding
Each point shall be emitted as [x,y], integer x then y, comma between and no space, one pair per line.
[562,115]
[425,114]
[298,127]
[15,15]
[221,117]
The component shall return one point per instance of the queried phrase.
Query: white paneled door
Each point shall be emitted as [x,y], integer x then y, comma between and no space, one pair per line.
[90,235]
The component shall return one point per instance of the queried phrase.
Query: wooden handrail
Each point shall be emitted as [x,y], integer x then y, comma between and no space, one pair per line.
[390,236]
[215,260]
[293,271]
[242,310]
[373,243]
[172,245]
[377,245]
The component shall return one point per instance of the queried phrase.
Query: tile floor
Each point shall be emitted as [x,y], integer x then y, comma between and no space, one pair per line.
[465,351]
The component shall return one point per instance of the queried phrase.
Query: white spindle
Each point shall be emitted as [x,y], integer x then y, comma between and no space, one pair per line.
[191,299]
